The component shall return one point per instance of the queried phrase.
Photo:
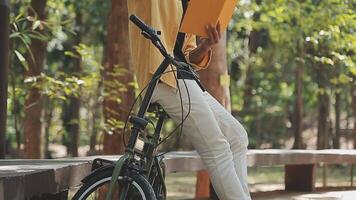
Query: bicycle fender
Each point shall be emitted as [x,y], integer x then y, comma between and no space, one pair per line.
[98,171]
[115,174]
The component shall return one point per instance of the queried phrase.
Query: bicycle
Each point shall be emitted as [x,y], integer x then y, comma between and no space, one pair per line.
[139,173]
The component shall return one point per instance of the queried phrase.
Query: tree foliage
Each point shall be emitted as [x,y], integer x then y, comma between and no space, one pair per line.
[317,34]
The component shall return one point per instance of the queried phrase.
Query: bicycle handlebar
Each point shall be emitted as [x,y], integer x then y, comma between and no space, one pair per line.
[153,36]
[144,27]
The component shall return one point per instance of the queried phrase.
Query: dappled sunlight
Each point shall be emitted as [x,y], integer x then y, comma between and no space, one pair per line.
[79,81]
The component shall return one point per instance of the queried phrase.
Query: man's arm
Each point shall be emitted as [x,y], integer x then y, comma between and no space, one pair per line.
[200,55]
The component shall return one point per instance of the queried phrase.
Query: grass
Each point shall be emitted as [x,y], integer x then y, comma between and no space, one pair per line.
[182,185]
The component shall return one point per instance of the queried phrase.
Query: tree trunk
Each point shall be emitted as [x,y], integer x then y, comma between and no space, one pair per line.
[117,57]
[71,107]
[216,81]
[4,59]
[349,117]
[337,120]
[33,103]
[48,116]
[323,110]
[298,105]
[93,126]
[249,81]
[253,43]
[298,109]
[71,124]
[96,116]
[15,105]
[75,100]
[353,95]
[215,78]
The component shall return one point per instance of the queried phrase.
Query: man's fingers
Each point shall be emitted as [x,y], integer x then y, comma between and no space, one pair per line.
[218,28]
[210,34]
[214,33]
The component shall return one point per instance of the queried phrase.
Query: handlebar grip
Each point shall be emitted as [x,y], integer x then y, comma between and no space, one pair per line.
[144,27]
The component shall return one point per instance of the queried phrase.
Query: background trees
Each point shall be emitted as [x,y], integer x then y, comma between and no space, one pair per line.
[293,67]
[118,77]
[33,103]
[4,54]
[291,63]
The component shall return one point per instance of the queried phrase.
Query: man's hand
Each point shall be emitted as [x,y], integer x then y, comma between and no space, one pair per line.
[214,34]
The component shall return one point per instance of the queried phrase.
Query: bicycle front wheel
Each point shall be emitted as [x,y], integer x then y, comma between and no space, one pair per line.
[132,186]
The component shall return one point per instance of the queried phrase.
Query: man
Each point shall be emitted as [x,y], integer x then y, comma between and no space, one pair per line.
[219,138]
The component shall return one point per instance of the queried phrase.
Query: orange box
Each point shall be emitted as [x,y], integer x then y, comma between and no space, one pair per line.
[201,13]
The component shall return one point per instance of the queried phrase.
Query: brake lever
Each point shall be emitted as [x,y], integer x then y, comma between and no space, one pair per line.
[148,36]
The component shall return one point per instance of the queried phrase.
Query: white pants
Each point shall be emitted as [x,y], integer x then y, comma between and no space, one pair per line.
[219,138]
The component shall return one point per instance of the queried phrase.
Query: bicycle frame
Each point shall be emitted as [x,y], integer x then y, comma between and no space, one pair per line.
[139,122]
[139,125]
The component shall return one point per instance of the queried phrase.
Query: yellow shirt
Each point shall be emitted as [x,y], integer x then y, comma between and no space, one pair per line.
[165,16]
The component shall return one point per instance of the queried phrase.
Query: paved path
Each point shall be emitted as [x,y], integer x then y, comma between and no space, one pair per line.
[319,195]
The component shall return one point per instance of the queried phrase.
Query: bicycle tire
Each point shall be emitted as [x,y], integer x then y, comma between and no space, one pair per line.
[104,178]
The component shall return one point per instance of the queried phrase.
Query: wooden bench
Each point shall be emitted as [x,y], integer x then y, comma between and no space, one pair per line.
[51,179]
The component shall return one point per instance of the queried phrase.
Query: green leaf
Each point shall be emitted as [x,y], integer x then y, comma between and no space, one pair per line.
[16,28]
[19,56]
[38,36]
[14,35]
[353,70]
[21,59]
[36,24]
[344,79]
[19,16]
[27,48]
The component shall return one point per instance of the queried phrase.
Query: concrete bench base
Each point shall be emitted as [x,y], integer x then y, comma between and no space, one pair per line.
[300,177]
[58,196]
